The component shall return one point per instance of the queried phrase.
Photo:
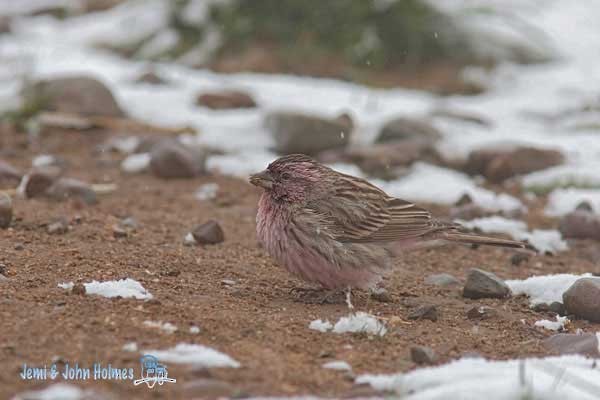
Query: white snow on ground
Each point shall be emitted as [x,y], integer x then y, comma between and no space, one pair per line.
[566,377]
[130,347]
[544,289]
[337,365]
[563,201]
[57,391]
[356,322]
[166,327]
[136,163]
[125,288]
[581,176]
[321,326]
[543,240]
[557,325]
[195,354]
[207,191]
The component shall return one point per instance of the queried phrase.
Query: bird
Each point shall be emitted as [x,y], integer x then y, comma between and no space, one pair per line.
[341,232]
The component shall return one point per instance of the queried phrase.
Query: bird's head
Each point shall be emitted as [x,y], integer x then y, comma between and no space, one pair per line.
[292,178]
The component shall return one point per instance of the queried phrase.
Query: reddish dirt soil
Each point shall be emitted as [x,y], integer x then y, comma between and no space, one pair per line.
[257,321]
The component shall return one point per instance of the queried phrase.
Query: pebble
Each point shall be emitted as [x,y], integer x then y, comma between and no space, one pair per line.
[381,295]
[519,258]
[429,312]
[170,159]
[38,181]
[481,312]
[208,233]
[582,299]
[68,188]
[422,355]
[58,227]
[6,210]
[444,280]
[482,284]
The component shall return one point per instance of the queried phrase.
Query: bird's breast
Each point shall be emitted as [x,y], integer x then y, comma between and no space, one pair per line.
[272,219]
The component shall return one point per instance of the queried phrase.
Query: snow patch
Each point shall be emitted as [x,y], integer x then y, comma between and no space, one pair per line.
[543,240]
[338,365]
[563,201]
[557,325]
[321,326]
[126,288]
[544,289]
[166,327]
[577,375]
[195,354]
[136,163]
[130,347]
[353,323]
[58,391]
[207,191]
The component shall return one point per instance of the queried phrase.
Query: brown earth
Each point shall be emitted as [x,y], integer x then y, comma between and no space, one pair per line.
[258,320]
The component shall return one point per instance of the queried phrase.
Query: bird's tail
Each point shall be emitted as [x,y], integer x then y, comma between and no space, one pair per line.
[458,237]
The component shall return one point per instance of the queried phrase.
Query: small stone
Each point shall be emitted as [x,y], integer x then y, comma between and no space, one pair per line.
[228,282]
[227,99]
[480,312]
[170,159]
[565,343]
[119,232]
[208,233]
[558,308]
[152,78]
[78,288]
[444,280]
[406,128]
[582,299]
[381,295]
[6,210]
[519,258]
[68,188]
[481,284]
[429,312]
[3,269]
[422,355]
[584,206]
[38,181]
[58,227]
[129,223]
[19,247]
[580,224]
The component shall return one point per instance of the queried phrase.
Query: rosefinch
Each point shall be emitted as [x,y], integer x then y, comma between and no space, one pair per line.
[340,231]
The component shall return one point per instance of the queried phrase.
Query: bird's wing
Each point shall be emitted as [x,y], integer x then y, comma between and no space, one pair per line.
[356,211]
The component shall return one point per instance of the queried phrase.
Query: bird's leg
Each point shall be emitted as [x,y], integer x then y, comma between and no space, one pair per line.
[349,298]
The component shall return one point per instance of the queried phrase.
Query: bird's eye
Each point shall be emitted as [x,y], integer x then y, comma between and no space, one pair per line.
[285,175]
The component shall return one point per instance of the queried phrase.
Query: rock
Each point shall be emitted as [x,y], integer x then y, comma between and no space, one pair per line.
[481,284]
[38,181]
[152,78]
[584,206]
[444,280]
[497,165]
[558,308]
[171,159]
[9,173]
[385,161]
[119,232]
[422,355]
[381,295]
[207,388]
[6,210]
[582,299]
[303,133]
[69,188]
[208,233]
[129,223]
[580,224]
[429,312]
[565,343]
[227,99]
[78,288]
[519,258]
[481,312]
[58,227]
[75,94]
[5,22]
[19,246]
[408,129]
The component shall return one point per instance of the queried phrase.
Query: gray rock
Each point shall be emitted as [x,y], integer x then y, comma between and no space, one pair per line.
[481,312]
[6,210]
[582,299]
[565,343]
[405,128]
[58,227]
[39,180]
[558,308]
[444,280]
[68,188]
[75,94]
[584,206]
[226,99]
[519,258]
[208,233]
[429,312]
[152,78]
[580,224]
[9,173]
[170,159]
[308,134]
[499,164]
[422,355]
[481,284]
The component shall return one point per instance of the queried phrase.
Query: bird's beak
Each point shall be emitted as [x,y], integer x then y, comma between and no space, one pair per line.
[262,179]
